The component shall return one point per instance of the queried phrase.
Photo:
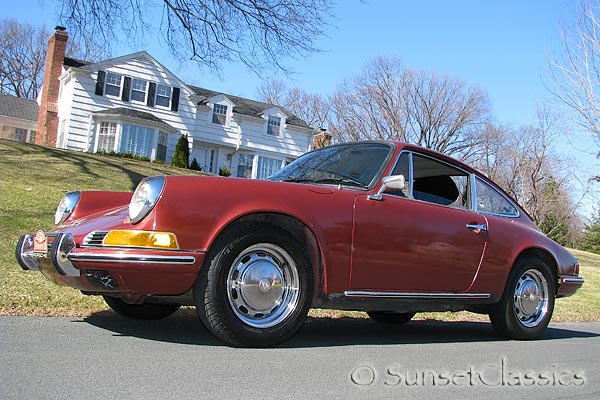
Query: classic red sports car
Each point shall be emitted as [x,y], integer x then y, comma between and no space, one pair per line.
[384,227]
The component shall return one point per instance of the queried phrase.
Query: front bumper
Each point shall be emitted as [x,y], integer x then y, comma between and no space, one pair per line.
[109,269]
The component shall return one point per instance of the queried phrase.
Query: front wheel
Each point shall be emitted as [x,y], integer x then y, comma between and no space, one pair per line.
[140,311]
[527,304]
[256,287]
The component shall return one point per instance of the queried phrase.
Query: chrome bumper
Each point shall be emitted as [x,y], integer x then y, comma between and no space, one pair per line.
[60,246]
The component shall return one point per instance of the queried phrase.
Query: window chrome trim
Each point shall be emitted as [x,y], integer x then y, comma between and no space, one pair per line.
[416,295]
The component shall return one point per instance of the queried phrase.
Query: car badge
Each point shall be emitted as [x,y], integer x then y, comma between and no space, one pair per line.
[40,244]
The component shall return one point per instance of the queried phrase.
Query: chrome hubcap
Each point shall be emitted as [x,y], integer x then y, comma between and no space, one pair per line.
[531,298]
[263,285]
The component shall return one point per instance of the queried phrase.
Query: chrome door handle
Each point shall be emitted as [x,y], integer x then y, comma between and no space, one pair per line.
[481,227]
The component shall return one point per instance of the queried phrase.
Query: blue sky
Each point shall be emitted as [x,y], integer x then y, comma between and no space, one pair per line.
[501,46]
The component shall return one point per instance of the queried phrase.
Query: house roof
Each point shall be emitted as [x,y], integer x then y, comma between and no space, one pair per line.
[18,107]
[73,62]
[249,107]
[134,114]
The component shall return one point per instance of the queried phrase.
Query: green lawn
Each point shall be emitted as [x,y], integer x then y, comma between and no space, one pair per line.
[34,179]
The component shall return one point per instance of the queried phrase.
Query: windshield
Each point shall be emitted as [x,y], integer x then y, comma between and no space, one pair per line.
[355,164]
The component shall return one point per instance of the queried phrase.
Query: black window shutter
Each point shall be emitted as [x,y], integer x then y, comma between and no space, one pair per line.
[175,99]
[126,89]
[100,83]
[151,94]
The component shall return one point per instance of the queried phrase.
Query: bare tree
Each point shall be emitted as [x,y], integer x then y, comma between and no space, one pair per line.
[576,73]
[259,33]
[388,101]
[313,108]
[22,57]
[523,162]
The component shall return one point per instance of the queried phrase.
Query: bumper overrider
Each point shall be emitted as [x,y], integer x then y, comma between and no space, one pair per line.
[109,269]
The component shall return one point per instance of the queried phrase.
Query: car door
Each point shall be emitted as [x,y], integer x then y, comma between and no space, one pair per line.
[424,238]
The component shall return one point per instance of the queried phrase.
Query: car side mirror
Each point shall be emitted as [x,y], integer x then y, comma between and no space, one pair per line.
[392,182]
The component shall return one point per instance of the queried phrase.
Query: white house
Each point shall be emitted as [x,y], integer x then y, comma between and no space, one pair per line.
[133,104]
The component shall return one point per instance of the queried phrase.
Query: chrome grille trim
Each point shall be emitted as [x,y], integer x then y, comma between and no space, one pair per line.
[94,239]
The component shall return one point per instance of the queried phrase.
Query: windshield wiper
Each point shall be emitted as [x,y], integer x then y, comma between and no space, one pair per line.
[342,181]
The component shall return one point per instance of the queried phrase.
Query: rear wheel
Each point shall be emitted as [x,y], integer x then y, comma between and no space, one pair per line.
[527,304]
[385,317]
[140,311]
[256,287]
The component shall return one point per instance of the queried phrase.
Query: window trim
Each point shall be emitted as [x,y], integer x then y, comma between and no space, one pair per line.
[107,84]
[145,91]
[214,114]
[277,128]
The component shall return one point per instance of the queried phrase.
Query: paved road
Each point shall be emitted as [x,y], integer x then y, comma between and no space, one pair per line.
[106,357]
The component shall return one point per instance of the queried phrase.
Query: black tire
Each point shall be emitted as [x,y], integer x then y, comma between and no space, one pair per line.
[527,304]
[387,317]
[140,311]
[255,287]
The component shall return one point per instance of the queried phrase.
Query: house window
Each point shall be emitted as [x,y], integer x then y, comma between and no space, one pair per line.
[113,84]
[106,136]
[244,169]
[20,134]
[138,90]
[267,167]
[163,95]
[274,126]
[161,148]
[137,140]
[219,114]
[32,136]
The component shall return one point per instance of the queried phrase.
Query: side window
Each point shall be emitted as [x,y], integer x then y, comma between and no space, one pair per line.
[402,168]
[440,183]
[489,200]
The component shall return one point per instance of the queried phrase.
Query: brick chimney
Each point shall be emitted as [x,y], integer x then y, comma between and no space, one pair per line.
[47,127]
[322,139]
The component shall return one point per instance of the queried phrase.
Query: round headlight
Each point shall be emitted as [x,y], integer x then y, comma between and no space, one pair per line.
[145,197]
[66,207]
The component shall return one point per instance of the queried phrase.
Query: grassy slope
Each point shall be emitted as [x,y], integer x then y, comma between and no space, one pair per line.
[33,179]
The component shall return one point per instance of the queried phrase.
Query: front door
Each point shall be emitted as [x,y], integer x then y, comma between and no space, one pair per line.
[421,239]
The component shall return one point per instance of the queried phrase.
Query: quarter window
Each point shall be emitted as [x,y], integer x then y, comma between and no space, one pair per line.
[113,84]
[489,200]
[163,95]
[273,126]
[219,114]
[138,90]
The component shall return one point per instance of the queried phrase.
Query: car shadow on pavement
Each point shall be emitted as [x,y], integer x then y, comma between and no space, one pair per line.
[184,328]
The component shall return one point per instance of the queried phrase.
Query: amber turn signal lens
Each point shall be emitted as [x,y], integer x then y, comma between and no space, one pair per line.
[161,240]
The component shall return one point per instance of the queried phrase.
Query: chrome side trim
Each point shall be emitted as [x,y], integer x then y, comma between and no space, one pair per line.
[132,258]
[416,295]
[573,279]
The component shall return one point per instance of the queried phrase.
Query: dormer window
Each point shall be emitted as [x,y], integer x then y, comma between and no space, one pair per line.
[113,84]
[219,114]
[273,126]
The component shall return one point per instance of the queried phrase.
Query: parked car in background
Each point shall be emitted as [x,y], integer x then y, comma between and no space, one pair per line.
[383,227]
